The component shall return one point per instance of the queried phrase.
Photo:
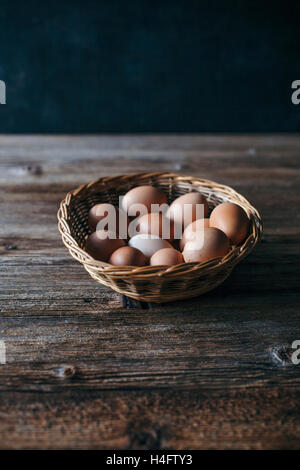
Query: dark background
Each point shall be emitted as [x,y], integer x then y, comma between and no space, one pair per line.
[149,66]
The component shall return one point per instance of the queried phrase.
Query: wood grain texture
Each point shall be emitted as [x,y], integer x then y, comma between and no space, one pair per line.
[151,420]
[211,372]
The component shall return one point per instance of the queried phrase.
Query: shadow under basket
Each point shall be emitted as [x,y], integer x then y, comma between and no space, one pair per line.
[156,284]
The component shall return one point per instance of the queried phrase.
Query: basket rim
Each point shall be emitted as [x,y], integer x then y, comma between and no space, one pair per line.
[144,272]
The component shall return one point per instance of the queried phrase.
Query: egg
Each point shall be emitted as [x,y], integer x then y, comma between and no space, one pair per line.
[116,218]
[156,224]
[215,245]
[166,257]
[148,244]
[128,256]
[232,220]
[101,244]
[183,210]
[145,195]
[191,231]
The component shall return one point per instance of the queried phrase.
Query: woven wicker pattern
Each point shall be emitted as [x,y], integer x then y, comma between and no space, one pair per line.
[152,283]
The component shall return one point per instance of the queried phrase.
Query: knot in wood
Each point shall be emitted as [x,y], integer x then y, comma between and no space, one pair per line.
[36,170]
[282,354]
[146,440]
[10,247]
[66,371]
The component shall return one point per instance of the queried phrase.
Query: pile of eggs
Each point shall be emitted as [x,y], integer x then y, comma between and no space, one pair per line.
[227,226]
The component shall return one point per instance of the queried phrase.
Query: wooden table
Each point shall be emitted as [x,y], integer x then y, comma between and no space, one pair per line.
[83,372]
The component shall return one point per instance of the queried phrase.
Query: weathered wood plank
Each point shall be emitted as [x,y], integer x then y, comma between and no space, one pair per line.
[222,362]
[208,348]
[252,419]
[38,275]
[72,159]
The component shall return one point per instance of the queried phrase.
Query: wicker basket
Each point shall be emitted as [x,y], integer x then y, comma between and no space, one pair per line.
[152,283]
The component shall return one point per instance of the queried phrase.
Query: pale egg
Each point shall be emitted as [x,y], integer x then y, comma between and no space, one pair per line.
[148,244]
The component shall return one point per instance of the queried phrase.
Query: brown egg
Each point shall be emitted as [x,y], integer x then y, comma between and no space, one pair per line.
[232,220]
[215,245]
[145,195]
[156,224]
[128,256]
[148,244]
[114,216]
[191,231]
[101,244]
[183,210]
[166,257]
